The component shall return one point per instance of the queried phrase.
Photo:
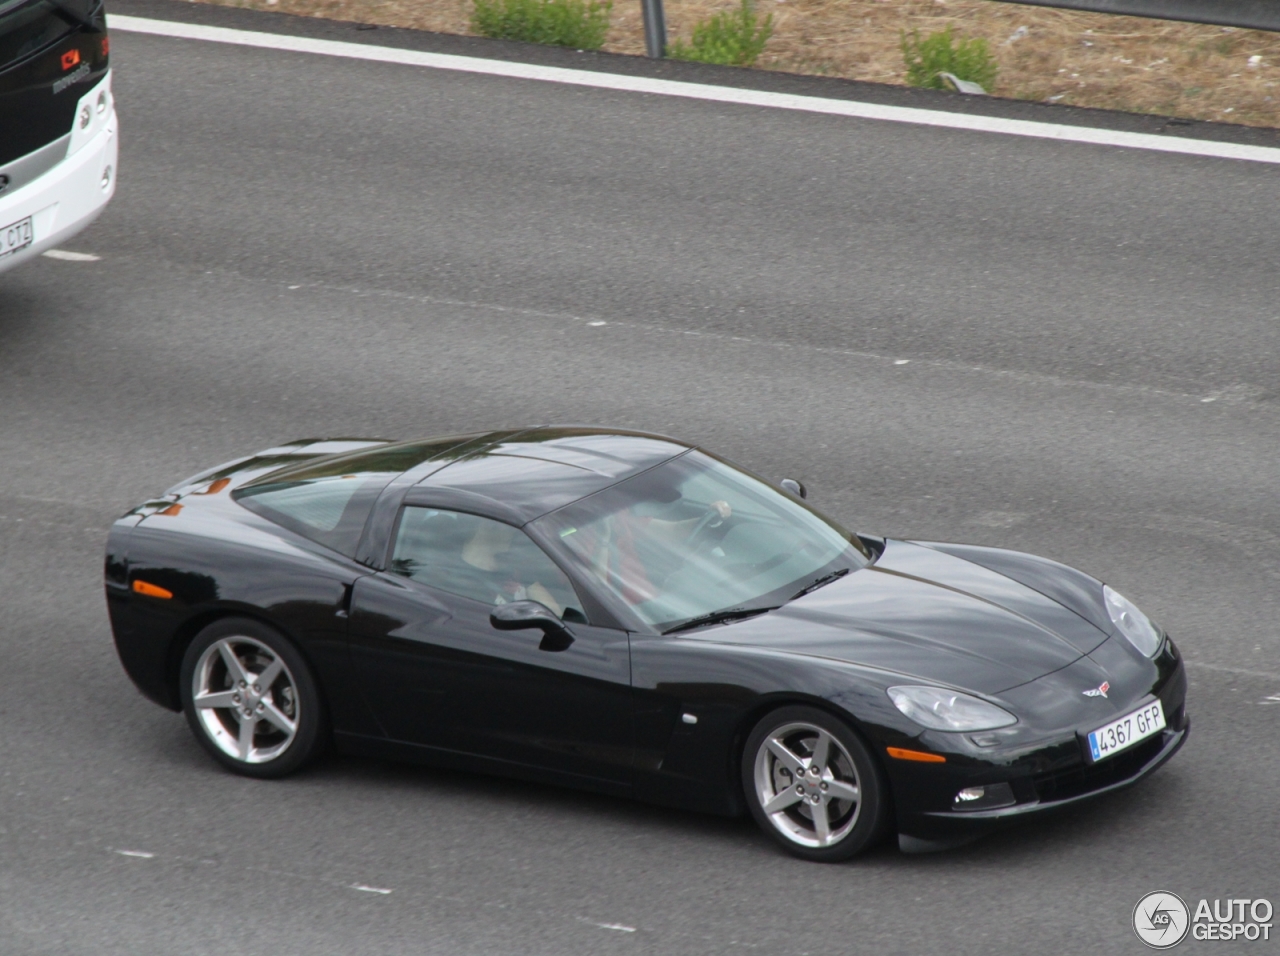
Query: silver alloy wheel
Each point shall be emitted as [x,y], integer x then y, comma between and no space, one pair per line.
[807,784]
[245,699]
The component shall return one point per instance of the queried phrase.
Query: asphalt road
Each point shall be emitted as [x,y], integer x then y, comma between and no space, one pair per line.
[1060,348]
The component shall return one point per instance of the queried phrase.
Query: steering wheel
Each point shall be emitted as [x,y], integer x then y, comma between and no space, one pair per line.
[712,519]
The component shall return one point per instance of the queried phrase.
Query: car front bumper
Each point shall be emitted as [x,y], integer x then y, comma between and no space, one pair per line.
[1040,778]
[1106,779]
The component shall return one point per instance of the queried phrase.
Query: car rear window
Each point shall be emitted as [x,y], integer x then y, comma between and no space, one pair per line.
[330,510]
[329,500]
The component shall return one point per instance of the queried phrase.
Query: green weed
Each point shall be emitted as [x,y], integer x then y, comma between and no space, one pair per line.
[576,23]
[942,53]
[734,38]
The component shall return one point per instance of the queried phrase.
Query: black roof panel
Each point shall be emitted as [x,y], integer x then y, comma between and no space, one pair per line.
[542,469]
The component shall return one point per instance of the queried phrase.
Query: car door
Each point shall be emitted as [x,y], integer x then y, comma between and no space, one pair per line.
[438,674]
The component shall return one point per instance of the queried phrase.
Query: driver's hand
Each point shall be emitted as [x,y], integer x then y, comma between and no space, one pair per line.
[722,508]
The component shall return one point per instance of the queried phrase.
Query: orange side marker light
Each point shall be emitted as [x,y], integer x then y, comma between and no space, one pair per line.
[70,58]
[899,753]
[217,486]
[151,590]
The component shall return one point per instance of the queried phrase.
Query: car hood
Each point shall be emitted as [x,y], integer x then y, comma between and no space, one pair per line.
[927,615]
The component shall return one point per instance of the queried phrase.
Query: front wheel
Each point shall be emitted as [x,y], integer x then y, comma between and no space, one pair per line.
[813,786]
[250,698]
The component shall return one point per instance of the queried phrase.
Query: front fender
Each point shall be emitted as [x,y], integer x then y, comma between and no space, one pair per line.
[725,688]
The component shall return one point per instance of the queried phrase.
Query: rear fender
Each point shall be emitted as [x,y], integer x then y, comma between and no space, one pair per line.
[285,582]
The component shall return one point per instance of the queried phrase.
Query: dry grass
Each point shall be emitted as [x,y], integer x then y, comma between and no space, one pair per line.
[1085,59]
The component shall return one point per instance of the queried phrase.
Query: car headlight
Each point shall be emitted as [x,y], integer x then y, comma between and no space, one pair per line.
[1132,623]
[940,709]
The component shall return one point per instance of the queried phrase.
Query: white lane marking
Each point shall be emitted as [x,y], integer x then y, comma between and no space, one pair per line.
[1235,394]
[1016,375]
[362,887]
[901,361]
[597,323]
[68,256]
[618,927]
[699,91]
[1273,699]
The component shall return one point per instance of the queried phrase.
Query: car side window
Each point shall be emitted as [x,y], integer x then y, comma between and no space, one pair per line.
[480,558]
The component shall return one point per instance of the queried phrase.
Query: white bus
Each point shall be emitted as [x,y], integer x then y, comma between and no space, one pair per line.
[57,123]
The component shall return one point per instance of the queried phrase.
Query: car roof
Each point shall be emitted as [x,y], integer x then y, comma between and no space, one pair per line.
[528,473]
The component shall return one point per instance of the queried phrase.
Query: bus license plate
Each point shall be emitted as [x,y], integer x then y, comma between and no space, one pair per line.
[1127,731]
[15,236]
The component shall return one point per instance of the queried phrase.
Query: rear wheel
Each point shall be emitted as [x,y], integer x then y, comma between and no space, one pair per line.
[813,786]
[250,698]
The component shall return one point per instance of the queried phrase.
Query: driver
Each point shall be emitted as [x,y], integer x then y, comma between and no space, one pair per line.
[490,550]
[615,549]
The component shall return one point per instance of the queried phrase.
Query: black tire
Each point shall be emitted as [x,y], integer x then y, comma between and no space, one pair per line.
[291,698]
[848,791]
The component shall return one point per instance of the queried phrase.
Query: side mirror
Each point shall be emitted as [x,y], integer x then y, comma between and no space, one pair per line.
[525,615]
[793,486]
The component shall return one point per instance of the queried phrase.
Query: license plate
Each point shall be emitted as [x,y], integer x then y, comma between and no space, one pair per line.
[1127,731]
[15,236]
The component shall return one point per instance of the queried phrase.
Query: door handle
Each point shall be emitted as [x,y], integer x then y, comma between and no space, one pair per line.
[344,605]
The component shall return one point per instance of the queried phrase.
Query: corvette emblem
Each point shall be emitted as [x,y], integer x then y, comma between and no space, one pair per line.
[1099,691]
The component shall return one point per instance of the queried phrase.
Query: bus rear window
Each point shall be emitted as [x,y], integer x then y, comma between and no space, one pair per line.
[29,26]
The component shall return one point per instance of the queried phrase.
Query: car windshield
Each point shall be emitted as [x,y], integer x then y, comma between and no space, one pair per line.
[695,536]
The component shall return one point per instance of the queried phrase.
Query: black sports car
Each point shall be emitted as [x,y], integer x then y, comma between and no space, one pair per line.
[628,613]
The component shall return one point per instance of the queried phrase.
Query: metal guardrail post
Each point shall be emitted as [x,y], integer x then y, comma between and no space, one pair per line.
[655,29]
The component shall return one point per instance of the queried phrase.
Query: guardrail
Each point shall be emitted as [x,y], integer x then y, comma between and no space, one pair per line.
[1245,14]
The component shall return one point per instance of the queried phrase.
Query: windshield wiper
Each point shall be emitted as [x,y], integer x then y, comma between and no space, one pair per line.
[719,617]
[85,20]
[814,585]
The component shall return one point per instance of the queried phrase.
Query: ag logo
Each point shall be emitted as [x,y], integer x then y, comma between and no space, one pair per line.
[1161,920]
